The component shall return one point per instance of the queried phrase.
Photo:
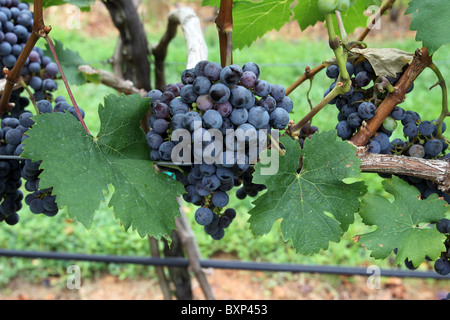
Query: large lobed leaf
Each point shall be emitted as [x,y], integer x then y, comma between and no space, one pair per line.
[80,167]
[403,223]
[431,21]
[315,205]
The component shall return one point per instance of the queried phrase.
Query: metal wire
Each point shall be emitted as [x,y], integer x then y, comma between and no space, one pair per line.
[222,264]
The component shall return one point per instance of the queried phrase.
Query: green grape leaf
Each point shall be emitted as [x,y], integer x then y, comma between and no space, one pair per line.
[307,13]
[70,61]
[81,168]
[403,223]
[251,20]
[315,205]
[430,20]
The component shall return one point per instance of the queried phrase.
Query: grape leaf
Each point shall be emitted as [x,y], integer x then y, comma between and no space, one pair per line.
[307,14]
[403,223]
[80,167]
[70,61]
[315,205]
[430,20]
[251,20]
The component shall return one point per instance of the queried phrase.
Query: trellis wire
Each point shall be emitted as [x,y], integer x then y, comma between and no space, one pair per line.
[223,264]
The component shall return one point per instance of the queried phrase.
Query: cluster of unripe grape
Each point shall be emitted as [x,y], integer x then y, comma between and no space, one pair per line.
[330,6]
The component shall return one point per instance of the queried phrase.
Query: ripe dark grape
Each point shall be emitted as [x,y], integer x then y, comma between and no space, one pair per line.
[214,100]
[14,127]
[442,266]
[332,72]
[410,129]
[433,147]
[443,226]
[344,130]
[362,79]
[367,110]
[426,128]
[204,216]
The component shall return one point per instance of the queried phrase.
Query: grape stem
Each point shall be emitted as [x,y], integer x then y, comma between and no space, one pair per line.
[343,83]
[339,53]
[445,113]
[69,91]
[343,32]
[294,129]
[12,76]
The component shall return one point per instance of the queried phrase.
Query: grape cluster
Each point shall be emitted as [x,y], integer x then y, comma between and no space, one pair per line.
[420,137]
[211,98]
[13,134]
[16,21]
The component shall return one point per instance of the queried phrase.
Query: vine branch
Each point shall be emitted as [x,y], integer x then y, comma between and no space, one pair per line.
[437,171]
[113,81]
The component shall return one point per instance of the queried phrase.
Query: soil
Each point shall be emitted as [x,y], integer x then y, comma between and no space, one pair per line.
[235,285]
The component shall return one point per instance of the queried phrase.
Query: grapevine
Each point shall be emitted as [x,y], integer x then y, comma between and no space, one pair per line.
[211,133]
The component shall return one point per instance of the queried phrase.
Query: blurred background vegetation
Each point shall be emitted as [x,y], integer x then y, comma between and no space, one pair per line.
[283,57]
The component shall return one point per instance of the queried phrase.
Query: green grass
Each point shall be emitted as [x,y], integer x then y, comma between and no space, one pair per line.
[281,62]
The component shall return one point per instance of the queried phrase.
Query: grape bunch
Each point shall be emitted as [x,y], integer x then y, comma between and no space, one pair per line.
[39,72]
[13,135]
[232,110]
